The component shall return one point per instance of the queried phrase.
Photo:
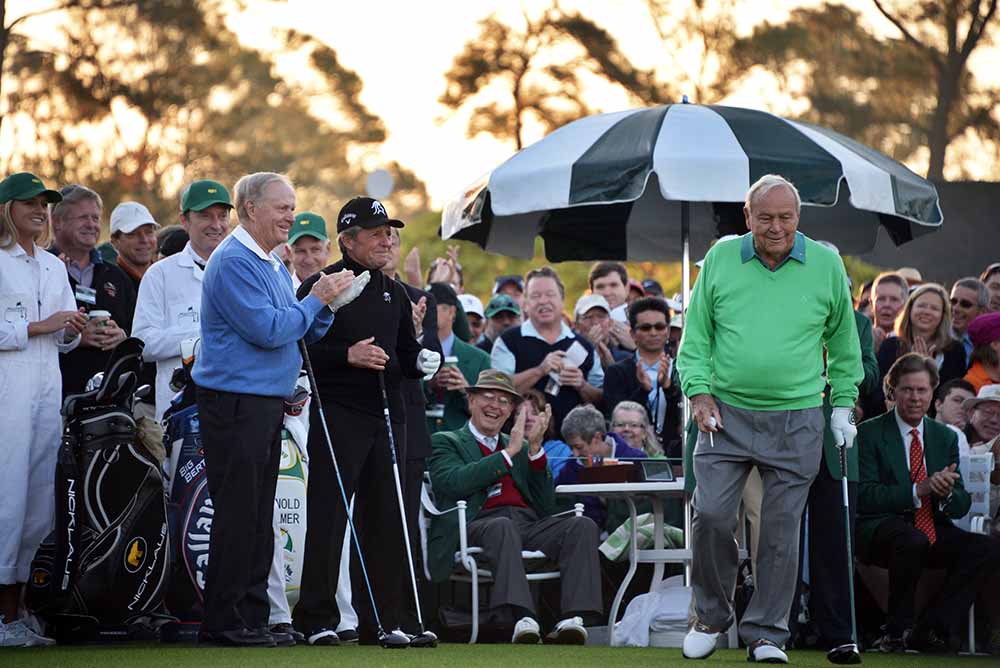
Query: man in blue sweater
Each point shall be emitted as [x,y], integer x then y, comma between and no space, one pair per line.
[248,364]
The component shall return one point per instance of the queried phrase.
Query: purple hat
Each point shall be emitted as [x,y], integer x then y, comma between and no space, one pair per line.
[985,329]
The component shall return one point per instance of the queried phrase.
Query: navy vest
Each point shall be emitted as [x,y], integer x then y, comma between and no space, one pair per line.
[530,351]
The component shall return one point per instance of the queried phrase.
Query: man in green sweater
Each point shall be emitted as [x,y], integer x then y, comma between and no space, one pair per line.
[764,308]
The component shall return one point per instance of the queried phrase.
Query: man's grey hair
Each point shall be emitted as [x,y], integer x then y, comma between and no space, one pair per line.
[349,233]
[972,283]
[766,184]
[250,188]
[72,195]
[583,422]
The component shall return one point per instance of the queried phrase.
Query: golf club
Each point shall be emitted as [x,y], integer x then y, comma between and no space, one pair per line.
[847,654]
[386,640]
[425,638]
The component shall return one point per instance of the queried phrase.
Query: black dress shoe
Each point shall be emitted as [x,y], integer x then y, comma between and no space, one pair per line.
[285,627]
[926,639]
[889,643]
[846,654]
[280,639]
[237,638]
[348,636]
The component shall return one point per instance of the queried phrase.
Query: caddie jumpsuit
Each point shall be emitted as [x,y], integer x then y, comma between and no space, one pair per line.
[31,289]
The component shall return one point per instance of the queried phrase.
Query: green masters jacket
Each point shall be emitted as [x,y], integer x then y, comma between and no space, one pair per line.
[459,471]
[885,489]
[870,365]
[471,361]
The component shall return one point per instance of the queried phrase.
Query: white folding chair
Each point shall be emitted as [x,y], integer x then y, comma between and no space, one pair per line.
[468,570]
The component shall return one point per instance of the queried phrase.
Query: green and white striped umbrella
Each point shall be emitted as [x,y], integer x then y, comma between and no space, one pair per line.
[629,185]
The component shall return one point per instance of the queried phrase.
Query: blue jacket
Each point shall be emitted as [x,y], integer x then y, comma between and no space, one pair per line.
[251,322]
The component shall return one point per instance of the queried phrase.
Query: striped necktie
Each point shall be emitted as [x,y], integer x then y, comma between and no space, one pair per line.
[924,519]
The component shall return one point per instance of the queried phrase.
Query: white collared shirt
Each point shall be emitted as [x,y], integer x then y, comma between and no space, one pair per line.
[241,235]
[32,288]
[502,359]
[904,432]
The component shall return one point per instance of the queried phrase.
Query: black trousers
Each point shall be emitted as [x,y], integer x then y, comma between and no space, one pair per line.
[241,435]
[829,596]
[968,558]
[361,443]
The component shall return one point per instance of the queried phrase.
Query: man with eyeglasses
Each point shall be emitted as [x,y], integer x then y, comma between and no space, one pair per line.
[970,298]
[101,288]
[647,377]
[507,485]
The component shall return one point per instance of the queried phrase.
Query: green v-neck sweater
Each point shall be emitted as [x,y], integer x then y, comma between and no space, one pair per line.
[754,338]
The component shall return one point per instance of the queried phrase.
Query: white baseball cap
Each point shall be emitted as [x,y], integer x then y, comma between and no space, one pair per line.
[129,216]
[471,304]
[587,302]
[725,237]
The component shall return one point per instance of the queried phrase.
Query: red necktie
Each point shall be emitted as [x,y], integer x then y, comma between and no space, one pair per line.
[918,473]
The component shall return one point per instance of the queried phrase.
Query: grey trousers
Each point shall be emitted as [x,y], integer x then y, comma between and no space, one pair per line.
[786,447]
[567,540]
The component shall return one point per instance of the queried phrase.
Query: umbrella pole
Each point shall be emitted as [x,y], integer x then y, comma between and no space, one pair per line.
[685,404]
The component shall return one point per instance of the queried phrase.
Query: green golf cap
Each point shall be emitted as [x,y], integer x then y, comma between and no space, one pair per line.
[25,185]
[308,224]
[502,302]
[204,193]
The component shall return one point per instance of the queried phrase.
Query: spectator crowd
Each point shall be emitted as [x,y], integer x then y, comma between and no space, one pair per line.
[534,384]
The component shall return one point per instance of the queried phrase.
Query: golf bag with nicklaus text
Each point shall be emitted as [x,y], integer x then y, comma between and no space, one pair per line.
[101,573]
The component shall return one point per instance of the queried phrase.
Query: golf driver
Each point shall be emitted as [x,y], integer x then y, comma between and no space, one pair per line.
[391,640]
[425,638]
[847,654]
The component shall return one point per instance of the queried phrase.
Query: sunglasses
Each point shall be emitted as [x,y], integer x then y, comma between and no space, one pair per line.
[646,326]
[964,303]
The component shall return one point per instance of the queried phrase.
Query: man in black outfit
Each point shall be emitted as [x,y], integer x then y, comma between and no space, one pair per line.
[418,436]
[634,378]
[97,285]
[374,334]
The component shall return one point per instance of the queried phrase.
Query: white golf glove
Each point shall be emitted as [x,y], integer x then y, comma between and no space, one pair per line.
[428,363]
[352,291]
[842,426]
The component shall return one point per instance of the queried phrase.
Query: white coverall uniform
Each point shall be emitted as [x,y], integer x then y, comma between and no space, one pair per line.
[168,311]
[31,289]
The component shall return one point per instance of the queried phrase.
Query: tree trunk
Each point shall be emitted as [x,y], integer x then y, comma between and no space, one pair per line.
[938,136]
[3,52]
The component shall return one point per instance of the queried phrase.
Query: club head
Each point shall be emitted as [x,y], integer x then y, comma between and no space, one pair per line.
[425,639]
[393,640]
[844,655]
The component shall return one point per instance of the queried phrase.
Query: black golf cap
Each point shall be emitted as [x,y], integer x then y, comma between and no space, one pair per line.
[511,279]
[366,213]
[444,294]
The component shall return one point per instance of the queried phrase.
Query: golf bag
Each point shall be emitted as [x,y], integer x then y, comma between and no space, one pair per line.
[190,506]
[103,570]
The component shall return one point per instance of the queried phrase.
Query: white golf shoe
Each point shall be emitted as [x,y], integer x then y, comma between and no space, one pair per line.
[765,651]
[526,632]
[17,634]
[700,641]
[569,631]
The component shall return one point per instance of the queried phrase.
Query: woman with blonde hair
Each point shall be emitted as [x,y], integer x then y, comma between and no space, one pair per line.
[38,320]
[630,421]
[924,327]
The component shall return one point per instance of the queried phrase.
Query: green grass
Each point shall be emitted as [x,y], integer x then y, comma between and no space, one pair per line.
[459,656]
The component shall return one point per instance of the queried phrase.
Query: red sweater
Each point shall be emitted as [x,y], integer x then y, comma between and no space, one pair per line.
[509,494]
